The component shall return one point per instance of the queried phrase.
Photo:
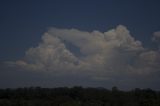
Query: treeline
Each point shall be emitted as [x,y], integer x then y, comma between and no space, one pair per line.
[78,96]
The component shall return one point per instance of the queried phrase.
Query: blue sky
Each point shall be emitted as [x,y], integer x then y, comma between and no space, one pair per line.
[24,22]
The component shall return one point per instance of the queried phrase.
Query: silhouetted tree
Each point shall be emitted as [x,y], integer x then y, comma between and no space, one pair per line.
[78,96]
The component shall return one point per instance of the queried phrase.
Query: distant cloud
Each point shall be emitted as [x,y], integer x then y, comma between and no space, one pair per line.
[96,54]
[156,38]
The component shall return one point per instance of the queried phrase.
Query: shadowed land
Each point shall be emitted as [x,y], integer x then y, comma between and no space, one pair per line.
[78,96]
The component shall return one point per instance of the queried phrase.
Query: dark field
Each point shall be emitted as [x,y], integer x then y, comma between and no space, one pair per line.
[78,96]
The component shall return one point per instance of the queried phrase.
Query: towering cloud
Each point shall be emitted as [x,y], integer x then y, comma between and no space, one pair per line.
[95,54]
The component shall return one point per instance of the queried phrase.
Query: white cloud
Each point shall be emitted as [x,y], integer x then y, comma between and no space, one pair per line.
[102,55]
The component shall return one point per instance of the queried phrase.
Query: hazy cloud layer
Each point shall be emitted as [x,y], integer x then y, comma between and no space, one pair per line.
[96,54]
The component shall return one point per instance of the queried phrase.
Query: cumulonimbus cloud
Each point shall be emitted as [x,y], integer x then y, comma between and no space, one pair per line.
[97,54]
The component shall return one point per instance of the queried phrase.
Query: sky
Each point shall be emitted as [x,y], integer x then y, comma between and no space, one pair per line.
[90,43]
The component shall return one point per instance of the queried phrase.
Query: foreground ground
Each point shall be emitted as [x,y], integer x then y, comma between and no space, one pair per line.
[78,96]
